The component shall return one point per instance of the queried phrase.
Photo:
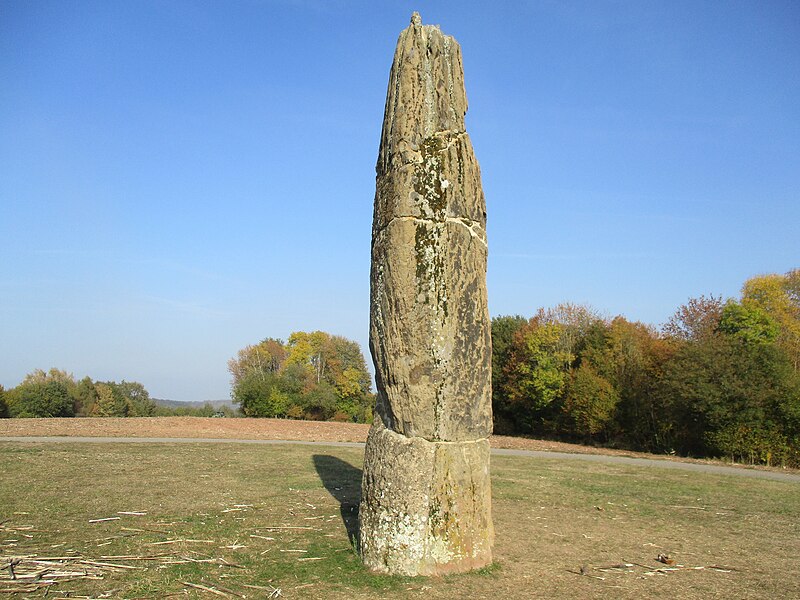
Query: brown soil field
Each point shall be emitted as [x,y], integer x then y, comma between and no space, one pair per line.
[246,429]
[267,429]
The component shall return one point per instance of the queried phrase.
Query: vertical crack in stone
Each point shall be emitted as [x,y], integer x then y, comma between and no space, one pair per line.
[426,505]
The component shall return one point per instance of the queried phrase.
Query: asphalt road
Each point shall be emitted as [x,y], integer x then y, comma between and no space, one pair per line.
[600,458]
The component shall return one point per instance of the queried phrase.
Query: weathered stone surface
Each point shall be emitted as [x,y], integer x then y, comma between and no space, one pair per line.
[426,498]
[427,505]
[429,325]
[428,335]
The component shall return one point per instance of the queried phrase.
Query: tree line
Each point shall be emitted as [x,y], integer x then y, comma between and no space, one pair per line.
[56,393]
[313,375]
[719,379]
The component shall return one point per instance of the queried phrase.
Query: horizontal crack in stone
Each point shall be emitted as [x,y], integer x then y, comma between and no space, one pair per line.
[468,223]
[444,442]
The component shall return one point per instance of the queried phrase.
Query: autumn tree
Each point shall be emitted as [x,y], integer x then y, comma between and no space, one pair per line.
[779,297]
[314,375]
[720,379]
[629,355]
[84,395]
[590,403]
[110,402]
[41,376]
[695,320]
[261,361]
[732,391]
[504,329]
[574,321]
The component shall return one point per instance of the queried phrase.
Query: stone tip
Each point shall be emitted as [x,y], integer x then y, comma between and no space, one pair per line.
[416,19]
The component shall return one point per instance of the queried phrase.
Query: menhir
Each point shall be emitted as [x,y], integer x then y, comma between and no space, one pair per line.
[426,497]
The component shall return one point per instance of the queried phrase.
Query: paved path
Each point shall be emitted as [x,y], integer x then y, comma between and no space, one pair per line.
[602,458]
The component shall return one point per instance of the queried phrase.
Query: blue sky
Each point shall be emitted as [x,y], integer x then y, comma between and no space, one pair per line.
[180,179]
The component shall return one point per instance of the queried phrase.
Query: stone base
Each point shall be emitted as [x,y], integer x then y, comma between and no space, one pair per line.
[426,506]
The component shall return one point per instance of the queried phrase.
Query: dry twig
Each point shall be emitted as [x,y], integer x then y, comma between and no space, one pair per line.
[105,519]
[206,589]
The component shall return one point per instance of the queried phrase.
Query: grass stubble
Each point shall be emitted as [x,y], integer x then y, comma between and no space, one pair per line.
[235,520]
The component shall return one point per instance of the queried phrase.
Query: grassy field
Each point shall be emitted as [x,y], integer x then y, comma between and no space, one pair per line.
[235,520]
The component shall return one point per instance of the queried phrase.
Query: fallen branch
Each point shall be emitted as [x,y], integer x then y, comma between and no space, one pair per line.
[216,561]
[26,589]
[35,558]
[229,591]
[134,557]
[182,541]
[105,519]
[109,565]
[205,588]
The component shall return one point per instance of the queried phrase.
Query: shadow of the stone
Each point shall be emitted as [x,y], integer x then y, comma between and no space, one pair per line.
[343,481]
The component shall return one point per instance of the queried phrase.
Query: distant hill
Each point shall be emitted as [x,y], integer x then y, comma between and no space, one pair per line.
[193,404]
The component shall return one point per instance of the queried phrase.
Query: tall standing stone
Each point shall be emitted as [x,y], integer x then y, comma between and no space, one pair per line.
[426,497]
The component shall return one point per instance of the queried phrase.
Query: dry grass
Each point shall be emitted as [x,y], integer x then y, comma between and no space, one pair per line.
[241,520]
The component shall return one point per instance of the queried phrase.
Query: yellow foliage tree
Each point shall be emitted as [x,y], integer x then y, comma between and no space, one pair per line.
[779,297]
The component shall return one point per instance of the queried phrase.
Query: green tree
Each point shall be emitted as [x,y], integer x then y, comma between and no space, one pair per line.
[723,384]
[320,403]
[84,397]
[536,373]
[47,397]
[262,396]
[137,399]
[3,405]
[590,403]
[748,322]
